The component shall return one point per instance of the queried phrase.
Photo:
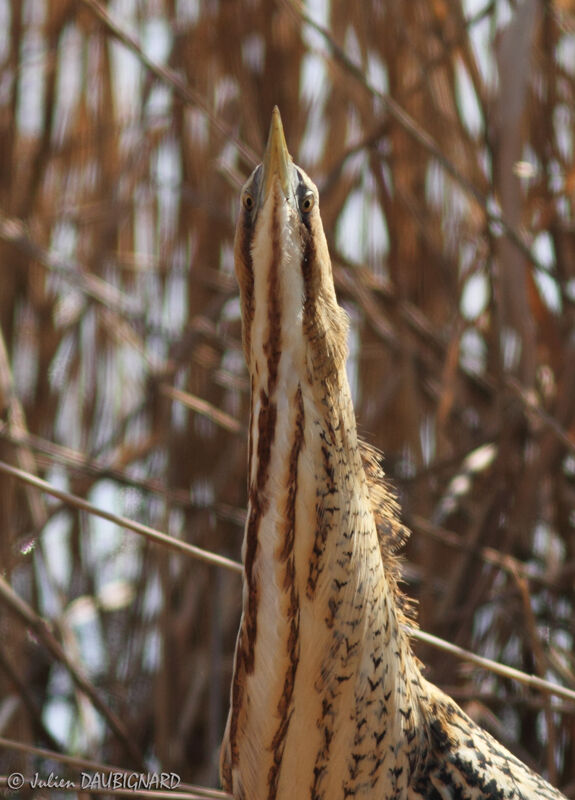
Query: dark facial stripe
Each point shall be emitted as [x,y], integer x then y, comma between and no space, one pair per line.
[245,274]
[272,346]
[307,266]
[285,707]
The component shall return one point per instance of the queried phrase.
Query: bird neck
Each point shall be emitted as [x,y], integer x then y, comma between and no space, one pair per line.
[327,698]
[321,636]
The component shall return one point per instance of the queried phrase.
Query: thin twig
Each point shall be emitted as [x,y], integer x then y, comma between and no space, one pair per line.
[225,421]
[211,558]
[78,463]
[168,76]
[541,664]
[143,530]
[488,555]
[13,231]
[149,794]
[530,403]
[532,681]
[424,139]
[43,632]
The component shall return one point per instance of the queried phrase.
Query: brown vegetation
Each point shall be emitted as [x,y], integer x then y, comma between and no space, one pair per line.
[441,138]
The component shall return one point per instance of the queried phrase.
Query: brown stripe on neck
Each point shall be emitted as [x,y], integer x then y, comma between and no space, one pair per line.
[266,425]
[267,420]
[245,275]
[272,345]
[251,427]
[308,258]
[238,692]
[287,557]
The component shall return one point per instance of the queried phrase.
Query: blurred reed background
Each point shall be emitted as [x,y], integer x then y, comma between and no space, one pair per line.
[441,136]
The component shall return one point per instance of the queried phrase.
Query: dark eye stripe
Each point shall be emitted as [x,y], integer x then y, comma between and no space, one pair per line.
[308,258]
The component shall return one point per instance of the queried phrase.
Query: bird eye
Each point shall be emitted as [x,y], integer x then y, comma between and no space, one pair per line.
[248,202]
[307,203]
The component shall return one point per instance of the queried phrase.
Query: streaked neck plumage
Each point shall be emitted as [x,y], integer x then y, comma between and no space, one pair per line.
[319,619]
[327,699]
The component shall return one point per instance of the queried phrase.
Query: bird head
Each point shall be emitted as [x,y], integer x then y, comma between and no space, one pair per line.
[284,269]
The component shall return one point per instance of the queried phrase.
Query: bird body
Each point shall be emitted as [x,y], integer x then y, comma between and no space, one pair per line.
[327,698]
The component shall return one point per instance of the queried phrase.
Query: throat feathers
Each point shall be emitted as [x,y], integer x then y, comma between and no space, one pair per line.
[327,699]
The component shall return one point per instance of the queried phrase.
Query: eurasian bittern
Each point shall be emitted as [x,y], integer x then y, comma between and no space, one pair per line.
[327,699]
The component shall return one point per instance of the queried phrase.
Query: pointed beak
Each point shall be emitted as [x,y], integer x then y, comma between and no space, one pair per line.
[277,160]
